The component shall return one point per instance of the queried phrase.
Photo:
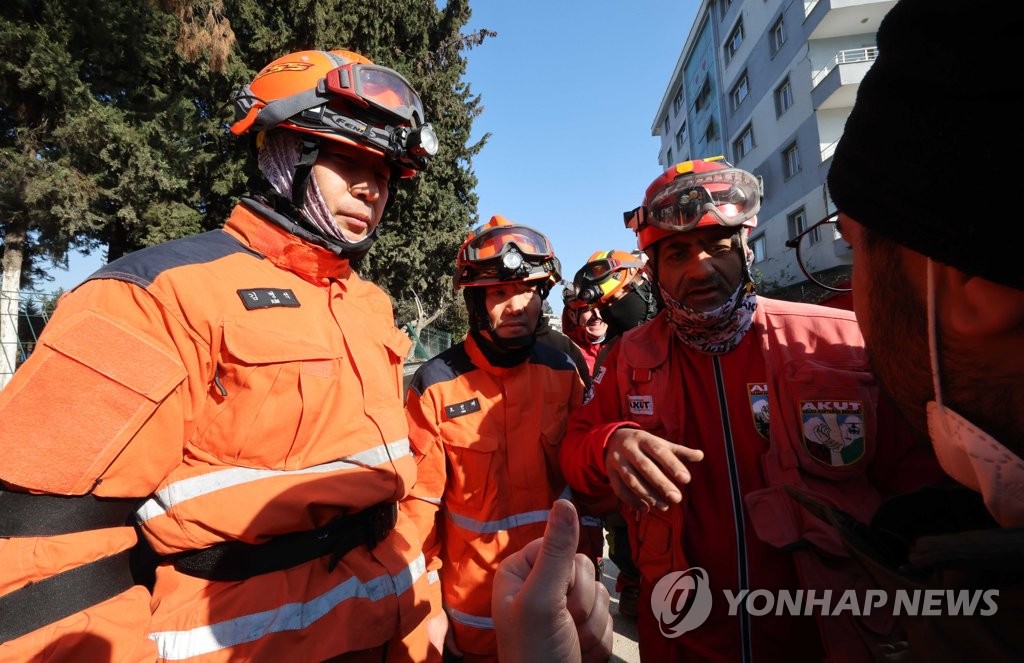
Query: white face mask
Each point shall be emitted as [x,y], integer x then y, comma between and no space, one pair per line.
[967,453]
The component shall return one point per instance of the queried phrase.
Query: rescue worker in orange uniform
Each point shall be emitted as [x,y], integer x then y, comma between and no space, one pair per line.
[698,425]
[239,392]
[495,407]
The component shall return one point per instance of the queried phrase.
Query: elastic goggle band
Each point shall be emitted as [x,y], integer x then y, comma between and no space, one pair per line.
[494,242]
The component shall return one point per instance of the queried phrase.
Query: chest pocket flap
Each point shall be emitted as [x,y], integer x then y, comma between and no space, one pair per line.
[258,344]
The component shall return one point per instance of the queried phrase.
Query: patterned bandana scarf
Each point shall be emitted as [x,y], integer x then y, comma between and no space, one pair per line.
[277,159]
[713,332]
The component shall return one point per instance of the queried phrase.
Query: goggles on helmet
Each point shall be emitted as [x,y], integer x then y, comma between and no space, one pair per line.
[370,85]
[508,252]
[731,196]
[387,97]
[499,242]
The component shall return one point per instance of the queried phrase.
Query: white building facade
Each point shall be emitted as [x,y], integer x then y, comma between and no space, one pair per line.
[769,85]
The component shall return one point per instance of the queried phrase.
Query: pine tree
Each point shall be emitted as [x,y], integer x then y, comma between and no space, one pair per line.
[114,119]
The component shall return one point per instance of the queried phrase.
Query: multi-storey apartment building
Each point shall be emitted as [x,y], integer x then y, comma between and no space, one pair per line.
[769,84]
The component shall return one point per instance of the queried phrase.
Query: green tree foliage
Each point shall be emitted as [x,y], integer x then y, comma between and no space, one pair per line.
[114,119]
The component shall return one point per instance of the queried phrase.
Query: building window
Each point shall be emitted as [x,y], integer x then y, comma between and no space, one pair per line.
[711,132]
[790,160]
[677,102]
[757,245]
[783,97]
[797,222]
[681,136]
[668,157]
[703,97]
[665,130]
[724,6]
[733,41]
[740,91]
[742,145]
[777,35]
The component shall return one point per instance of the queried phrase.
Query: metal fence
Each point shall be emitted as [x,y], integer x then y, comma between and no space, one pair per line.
[22,318]
[427,342]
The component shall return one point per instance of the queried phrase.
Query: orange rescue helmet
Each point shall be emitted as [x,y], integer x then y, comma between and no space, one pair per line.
[606,275]
[341,96]
[501,251]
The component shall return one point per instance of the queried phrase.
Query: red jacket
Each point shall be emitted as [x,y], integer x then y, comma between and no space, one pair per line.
[799,367]
[245,384]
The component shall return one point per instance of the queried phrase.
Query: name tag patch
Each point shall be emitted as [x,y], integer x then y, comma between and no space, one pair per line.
[462,409]
[641,404]
[255,298]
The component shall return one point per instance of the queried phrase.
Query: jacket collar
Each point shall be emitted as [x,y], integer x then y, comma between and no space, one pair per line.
[311,263]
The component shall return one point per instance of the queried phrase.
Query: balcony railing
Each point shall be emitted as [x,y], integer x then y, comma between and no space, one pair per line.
[849,56]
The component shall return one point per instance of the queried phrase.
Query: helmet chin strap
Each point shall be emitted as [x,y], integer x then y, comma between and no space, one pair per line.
[294,210]
[499,351]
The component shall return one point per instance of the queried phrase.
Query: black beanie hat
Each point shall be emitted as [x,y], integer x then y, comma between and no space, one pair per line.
[932,155]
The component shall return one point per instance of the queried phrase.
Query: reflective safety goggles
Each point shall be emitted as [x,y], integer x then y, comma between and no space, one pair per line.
[598,279]
[731,196]
[495,242]
[382,88]
[598,271]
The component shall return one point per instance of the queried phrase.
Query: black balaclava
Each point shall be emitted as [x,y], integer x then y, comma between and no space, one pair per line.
[503,352]
[632,309]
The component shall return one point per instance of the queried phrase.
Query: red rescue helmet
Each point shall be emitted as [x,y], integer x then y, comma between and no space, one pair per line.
[696,194]
[341,96]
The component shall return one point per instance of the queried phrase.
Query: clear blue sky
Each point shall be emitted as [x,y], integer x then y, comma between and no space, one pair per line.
[569,89]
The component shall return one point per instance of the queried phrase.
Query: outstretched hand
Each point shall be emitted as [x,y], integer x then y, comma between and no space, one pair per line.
[647,471]
[546,604]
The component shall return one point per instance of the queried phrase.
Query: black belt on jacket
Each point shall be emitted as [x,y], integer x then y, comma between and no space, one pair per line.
[24,514]
[49,600]
[52,599]
[235,560]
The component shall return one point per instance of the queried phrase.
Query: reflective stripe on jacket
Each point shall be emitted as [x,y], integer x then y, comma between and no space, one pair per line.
[250,385]
[499,430]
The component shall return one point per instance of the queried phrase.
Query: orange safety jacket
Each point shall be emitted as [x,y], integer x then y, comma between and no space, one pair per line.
[244,384]
[499,430]
[794,404]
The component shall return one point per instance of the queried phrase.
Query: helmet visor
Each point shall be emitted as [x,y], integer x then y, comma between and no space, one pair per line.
[731,196]
[382,88]
[495,242]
